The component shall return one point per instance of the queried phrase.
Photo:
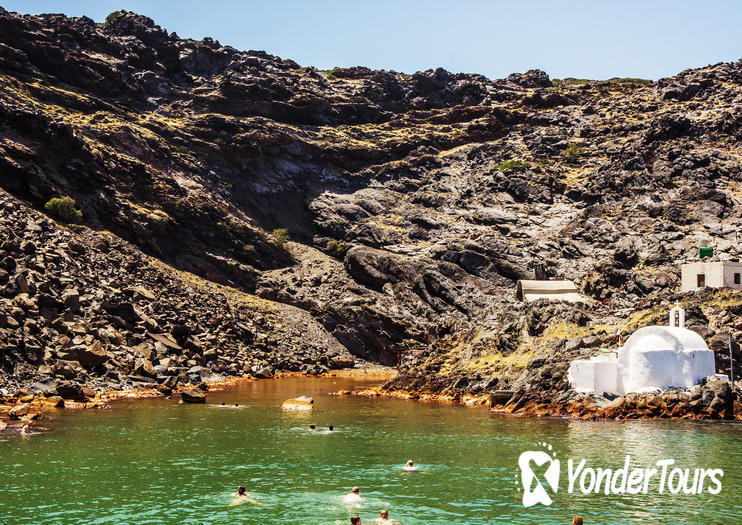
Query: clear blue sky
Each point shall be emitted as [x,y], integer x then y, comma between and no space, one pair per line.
[591,39]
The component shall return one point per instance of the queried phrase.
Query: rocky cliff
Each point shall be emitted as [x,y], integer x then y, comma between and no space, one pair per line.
[413,204]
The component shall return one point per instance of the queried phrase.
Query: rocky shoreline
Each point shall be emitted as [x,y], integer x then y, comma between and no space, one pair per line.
[28,412]
[714,400]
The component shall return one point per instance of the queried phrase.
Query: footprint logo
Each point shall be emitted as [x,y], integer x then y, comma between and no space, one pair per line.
[533,495]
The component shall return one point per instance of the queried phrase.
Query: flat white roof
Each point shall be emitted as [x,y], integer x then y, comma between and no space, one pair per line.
[530,290]
[719,263]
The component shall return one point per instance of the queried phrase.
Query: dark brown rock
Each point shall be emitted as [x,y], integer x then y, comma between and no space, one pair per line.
[71,391]
[193,396]
[19,411]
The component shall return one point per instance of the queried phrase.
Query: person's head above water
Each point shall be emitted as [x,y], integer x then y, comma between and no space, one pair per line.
[355,490]
[241,490]
[577,520]
[409,463]
[331,427]
[355,520]
[384,514]
[312,427]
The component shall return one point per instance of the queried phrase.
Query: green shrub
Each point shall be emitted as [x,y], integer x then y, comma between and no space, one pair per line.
[570,81]
[332,74]
[112,17]
[224,138]
[336,248]
[513,165]
[631,81]
[63,209]
[280,237]
[573,152]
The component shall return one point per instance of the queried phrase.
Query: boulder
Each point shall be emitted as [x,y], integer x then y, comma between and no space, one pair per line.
[298,403]
[19,411]
[264,372]
[55,401]
[72,391]
[143,350]
[338,362]
[144,367]
[90,356]
[125,310]
[28,247]
[193,396]
[71,299]
[47,388]
[66,369]
[719,387]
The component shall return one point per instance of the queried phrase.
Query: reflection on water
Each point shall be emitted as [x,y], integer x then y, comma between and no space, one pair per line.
[153,461]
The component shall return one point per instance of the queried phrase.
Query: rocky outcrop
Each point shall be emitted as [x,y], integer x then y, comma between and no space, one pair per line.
[713,399]
[327,217]
[84,308]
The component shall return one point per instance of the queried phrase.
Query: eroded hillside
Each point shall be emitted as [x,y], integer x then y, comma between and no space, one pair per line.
[414,202]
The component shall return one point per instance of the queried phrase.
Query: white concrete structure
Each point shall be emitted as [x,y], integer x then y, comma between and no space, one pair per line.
[653,358]
[596,375]
[718,274]
[562,290]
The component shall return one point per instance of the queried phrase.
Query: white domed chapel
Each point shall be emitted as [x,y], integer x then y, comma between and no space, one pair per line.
[653,358]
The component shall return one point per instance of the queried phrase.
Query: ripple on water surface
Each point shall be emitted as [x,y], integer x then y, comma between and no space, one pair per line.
[158,462]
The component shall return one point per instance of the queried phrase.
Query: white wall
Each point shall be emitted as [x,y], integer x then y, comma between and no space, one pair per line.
[718,274]
[729,270]
[662,369]
[595,376]
[581,376]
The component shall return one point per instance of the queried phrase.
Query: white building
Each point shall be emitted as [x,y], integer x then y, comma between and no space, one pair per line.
[653,358]
[555,290]
[717,274]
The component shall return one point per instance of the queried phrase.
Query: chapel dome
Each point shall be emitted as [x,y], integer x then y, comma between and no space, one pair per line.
[654,338]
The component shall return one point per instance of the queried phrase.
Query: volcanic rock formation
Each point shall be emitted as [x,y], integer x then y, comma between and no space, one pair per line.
[412,203]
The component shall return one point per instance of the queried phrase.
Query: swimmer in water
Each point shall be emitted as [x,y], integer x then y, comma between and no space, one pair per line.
[383,518]
[330,430]
[354,498]
[355,520]
[409,466]
[312,427]
[241,496]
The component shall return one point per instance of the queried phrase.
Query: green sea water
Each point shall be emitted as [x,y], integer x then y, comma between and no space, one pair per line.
[154,461]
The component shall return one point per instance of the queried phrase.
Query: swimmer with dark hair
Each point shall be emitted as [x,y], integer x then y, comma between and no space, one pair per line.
[241,496]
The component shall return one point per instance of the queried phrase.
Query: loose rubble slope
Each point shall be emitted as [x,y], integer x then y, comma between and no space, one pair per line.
[414,202]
